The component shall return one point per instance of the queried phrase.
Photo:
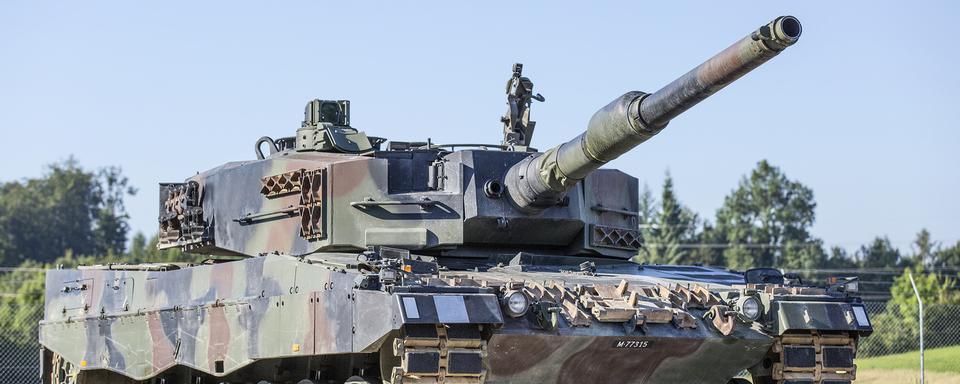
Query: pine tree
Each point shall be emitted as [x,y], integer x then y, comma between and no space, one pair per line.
[766,221]
[670,232]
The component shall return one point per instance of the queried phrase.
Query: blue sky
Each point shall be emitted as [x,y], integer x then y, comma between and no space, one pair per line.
[863,109]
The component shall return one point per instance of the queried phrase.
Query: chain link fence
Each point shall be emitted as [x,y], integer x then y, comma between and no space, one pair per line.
[21,308]
[896,328]
[19,355]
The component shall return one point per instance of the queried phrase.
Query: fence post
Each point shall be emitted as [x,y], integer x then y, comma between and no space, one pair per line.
[920,305]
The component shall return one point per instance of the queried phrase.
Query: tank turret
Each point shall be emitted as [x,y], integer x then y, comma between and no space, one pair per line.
[541,180]
[331,188]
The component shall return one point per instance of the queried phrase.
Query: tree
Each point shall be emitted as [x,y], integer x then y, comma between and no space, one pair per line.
[145,251]
[647,214]
[46,216]
[896,328]
[839,259]
[138,246]
[948,257]
[934,289]
[923,249]
[669,233]
[21,308]
[767,220]
[803,255]
[68,208]
[645,218]
[878,254]
[710,248]
[110,231]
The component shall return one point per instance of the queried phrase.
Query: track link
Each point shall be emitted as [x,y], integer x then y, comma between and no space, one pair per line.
[440,354]
[815,358]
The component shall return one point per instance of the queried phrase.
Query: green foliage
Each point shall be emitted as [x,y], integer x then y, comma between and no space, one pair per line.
[879,254]
[803,255]
[924,249]
[767,221]
[21,307]
[897,328]
[934,289]
[668,228]
[936,360]
[68,209]
[948,257]
[145,251]
[710,249]
[839,259]
[110,229]
[647,214]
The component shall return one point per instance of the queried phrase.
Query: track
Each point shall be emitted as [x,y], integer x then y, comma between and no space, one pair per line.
[814,358]
[440,354]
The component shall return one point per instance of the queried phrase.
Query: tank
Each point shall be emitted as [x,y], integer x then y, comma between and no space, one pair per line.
[347,258]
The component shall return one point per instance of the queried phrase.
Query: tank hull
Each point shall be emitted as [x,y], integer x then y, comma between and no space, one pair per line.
[238,321]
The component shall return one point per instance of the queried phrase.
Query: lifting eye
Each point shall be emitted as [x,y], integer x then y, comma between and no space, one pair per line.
[493,189]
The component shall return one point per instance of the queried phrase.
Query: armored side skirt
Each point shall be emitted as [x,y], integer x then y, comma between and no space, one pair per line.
[217,319]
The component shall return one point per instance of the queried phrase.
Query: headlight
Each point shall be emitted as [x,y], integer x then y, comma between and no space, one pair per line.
[515,303]
[852,286]
[843,284]
[750,307]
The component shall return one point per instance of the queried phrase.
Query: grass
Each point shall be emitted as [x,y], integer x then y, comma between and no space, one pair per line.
[904,376]
[941,366]
[945,360]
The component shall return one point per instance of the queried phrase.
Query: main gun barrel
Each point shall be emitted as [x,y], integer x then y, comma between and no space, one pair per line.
[540,181]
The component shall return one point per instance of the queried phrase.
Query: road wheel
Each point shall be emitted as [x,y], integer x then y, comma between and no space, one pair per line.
[63,372]
[356,380]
